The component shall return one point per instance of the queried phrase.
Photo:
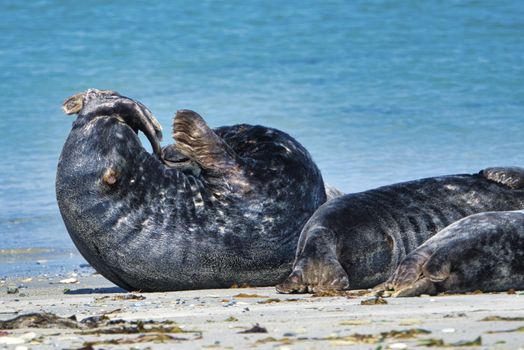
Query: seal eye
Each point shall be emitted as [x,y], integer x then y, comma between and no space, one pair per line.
[110,177]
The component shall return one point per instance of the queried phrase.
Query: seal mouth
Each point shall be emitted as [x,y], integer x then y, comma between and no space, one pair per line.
[94,102]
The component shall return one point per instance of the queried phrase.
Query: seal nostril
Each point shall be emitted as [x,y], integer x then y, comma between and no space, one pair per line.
[110,177]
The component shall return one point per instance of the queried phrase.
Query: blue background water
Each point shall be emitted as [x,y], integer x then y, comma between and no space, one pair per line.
[378,91]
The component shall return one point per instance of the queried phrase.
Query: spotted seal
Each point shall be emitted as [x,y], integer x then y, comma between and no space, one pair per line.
[357,240]
[480,252]
[220,206]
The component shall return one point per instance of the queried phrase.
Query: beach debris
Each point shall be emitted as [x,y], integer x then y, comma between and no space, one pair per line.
[231,319]
[272,300]
[255,329]
[453,315]
[132,327]
[353,339]
[512,291]
[144,338]
[243,285]
[409,322]
[245,295]
[448,330]
[129,296]
[397,346]
[70,280]
[376,300]
[520,329]
[39,320]
[502,318]
[12,289]
[94,321]
[350,294]
[404,334]
[329,293]
[227,303]
[441,343]
[354,322]
[41,262]
[282,341]
[27,280]
[358,338]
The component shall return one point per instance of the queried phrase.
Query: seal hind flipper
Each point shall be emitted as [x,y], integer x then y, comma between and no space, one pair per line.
[513,177]
[195,139]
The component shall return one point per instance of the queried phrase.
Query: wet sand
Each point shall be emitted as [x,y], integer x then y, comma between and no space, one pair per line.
[223,319]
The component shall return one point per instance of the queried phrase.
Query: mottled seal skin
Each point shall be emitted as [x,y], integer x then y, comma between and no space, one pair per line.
[480,252]
[357,240]
[219,207]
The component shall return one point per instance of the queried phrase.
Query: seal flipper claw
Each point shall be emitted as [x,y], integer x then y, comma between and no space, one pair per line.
[513,177]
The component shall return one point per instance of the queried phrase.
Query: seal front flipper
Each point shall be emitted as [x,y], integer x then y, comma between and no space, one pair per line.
[317,267]
[94,102]
[512,177]
[194,139]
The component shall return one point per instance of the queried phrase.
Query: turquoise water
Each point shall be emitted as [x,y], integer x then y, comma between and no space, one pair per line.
[378,91]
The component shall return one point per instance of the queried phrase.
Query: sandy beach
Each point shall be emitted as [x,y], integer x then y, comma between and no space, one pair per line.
[93,313]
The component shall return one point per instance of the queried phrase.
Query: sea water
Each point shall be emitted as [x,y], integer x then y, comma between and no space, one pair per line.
[378,91]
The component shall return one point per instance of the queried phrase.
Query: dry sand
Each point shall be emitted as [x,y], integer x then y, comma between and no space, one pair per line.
[216,318]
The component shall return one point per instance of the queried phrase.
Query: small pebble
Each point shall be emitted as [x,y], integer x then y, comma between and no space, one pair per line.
[448,330]
[12,290]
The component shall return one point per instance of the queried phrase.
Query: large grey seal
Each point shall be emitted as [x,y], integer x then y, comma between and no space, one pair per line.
[480,252]
[357,240]
[219,207]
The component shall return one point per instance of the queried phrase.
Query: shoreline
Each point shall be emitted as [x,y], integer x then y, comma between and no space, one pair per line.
[216,318]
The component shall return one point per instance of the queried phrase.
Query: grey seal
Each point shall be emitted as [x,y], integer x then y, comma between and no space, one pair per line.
[220,207]
[357,240]
[480,252]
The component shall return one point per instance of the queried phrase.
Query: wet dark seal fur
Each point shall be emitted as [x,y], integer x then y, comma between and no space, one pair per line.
[219,207]
[357,240]
[480,252]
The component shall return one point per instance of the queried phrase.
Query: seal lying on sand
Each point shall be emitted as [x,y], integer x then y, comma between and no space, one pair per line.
[219,207]
[480,252]
[357,240]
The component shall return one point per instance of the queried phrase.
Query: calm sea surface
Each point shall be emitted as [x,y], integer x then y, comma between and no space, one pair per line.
[378,91]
